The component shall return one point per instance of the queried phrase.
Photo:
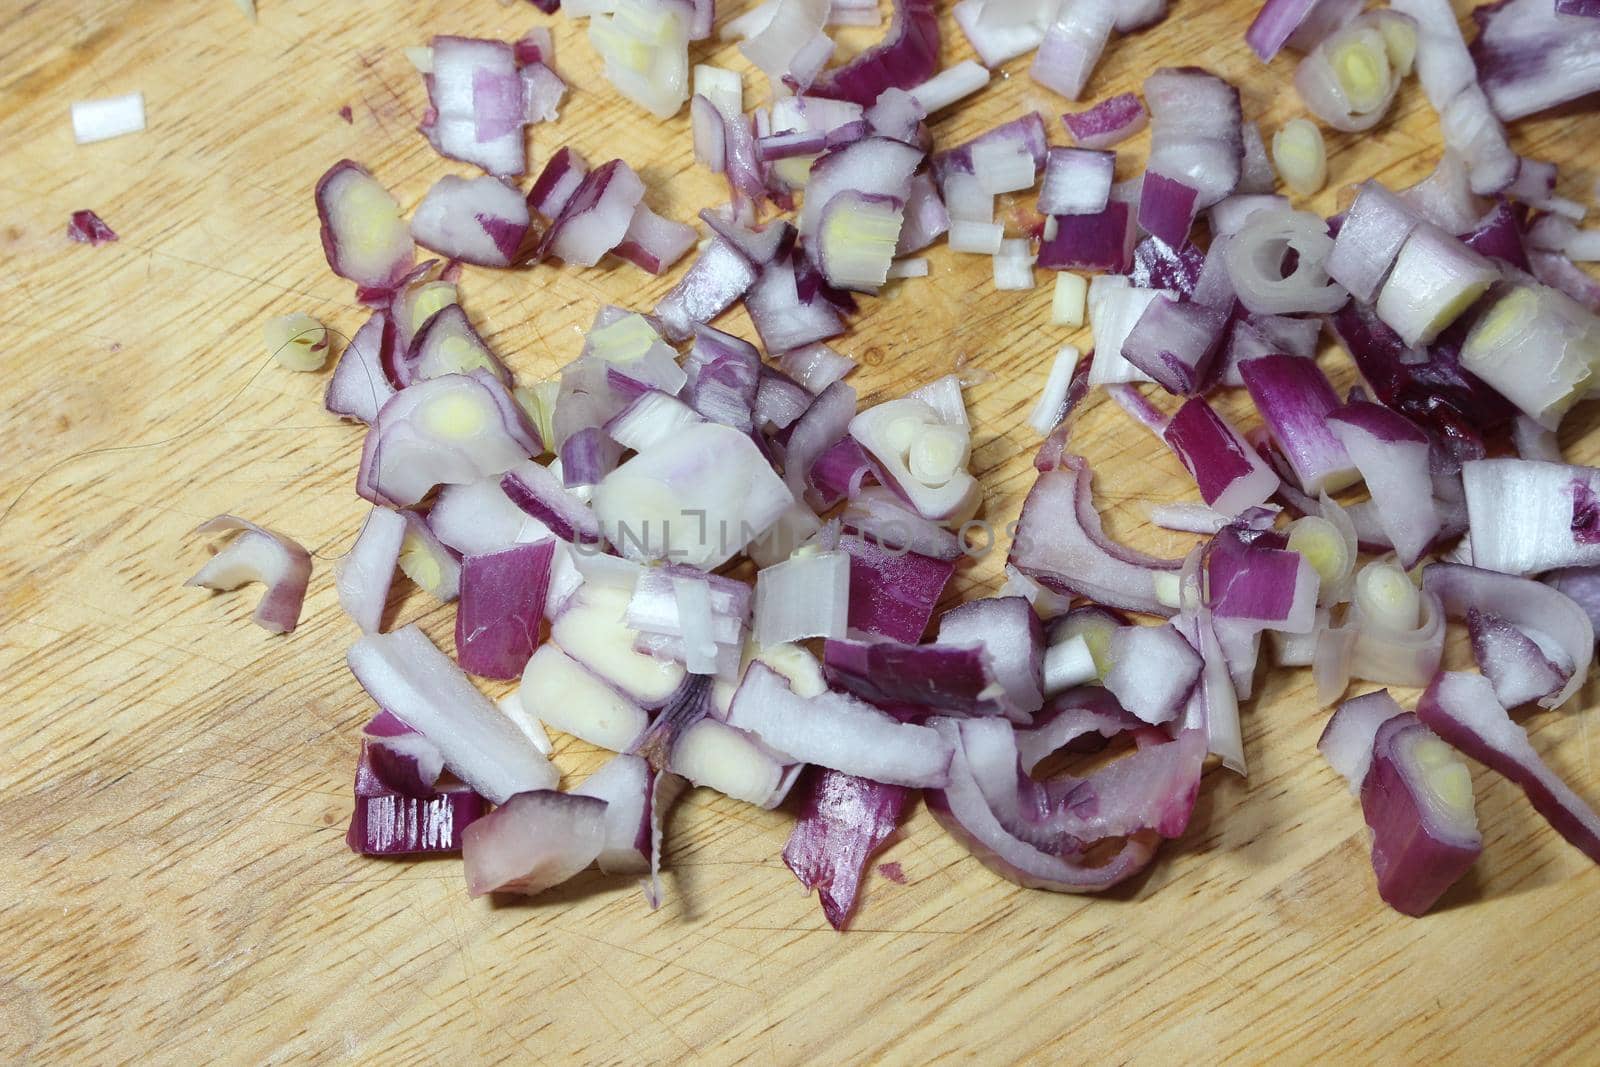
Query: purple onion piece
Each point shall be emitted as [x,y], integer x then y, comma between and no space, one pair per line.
[363,575]
[447,343]
[907,56]
[1393,458]
[843,821]
[1295,400]
[1167,208]
[1082,719]
[1108,123]
[359,388]
[1175,343]
[88,228]
[479,220]
[949,678]
[557,183]
[502,608]
[1518,666]
[402,760]
[1230,475]
[387,823]
[1417,798]
[1462,709]
[1012,639]
[1059,542]
[1523,603]
[893,594]
[1101,242]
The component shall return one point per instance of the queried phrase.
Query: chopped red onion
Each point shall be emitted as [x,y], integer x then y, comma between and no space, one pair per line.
[1417,798]
[1108,123]
[717,278]
[1279,20]
[646,51]
[451,429]
[477,518]
[1392,456]
[1527,516]
[401,759]
[542,92]
[816,366]
[1374,230]
[700,497]
[1516,661]
[447,343]
[1435,280]
[1175,343]
[112,116]
[1533,56]
[950,85]
[1535,347]
[363,575]
[790,48]
[258,554]
[539,492]
[1153,670]
[1083,717]
[653,243]
[922,456]
[1348,80]
[388,823]
[839,732]
[1102,242]
[1230,475]
[1077,181]
[625,782]
[807,596]
[597,217]
[1463,710]
[843,821]
[1346,742]
[1060,543]
[363,235]
[780,400]
[1252,582]
[502,609]
[892,594]
[559,692]
[557,183]
[1072,45]
[1256,256]
[1195,133]
[1523,603]
[407,675]
[1295,399]
[1012,640]
[478,105]
[781,318]
[88,228]
[950,678]
[907,56]
[532,842]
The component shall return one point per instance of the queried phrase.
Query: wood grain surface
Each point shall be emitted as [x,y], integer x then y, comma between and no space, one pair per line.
[174,782]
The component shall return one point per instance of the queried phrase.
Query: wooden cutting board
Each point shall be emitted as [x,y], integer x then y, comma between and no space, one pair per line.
[174,782]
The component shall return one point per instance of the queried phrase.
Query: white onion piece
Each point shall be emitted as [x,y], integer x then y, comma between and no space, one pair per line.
[1153,670]
[408,676]
[561,693]
[623,782]
[476,220]
[807,596]
[950,85]
[1301,156]
[1392,456]
[1526,517]
[1046,413]
[1115,308]
[838,731]
[1374,230]
[1072,45]
[923,456]
[593,631]
[448,430]
[714,755]
[258,555]
[1435,279]
[1068,663]
[646,51]
[1346,742]
[533,842]
[697,499]
[1255,263]
[362,576]
[101,120]
[1537,348]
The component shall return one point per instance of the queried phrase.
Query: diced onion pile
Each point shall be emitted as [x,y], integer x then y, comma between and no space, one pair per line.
[593,527]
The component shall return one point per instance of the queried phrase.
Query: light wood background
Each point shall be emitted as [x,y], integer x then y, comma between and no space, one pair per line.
[174,782]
